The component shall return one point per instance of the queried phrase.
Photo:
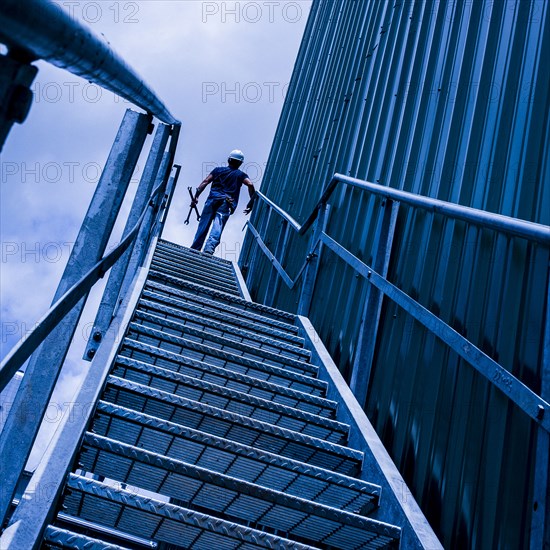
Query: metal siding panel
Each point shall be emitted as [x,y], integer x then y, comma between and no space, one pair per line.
[452,103]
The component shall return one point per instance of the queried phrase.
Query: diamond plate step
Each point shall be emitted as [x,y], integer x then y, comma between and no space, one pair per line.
[152,518]
[209,325]
[211,310]
[230,400]
[174,336]
[203,352]
[293,390]
[63,538]
[229,498]
[253,369]
[292,444]
[183,253]
[225,271]
[235,302]
[197,276]
[232,458]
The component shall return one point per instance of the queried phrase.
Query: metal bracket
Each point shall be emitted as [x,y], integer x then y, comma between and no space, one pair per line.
[16,96]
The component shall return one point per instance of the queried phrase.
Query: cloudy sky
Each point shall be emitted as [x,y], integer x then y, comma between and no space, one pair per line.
[222,68]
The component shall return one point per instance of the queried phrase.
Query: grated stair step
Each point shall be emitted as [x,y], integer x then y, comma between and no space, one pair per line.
[300,445]
[224,299]
[160,520]
[223,270]
[213,431]
[233,458]
[197,275]
[226,398]
[222,495]
[165,314]
[232,317]
[254,370]
[183,253]
[174,336]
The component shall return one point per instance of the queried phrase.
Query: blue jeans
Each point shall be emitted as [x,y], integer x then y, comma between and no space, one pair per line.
[215,213]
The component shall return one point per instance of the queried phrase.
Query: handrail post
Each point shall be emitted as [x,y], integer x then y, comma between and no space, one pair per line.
[364,355]
[38,505]
[23,423]
[312,267]
[118,271]
[144,236]
[253,260]
[280,250]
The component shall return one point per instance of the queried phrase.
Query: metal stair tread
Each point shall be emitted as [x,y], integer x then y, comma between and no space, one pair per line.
[167,522]
[231,426]
[255,371]
[201,287]
[226,356]
[226,276]
[236,459]
[64,538]
[186,291]
[144,305]
[186,251]
[264,310]
[232,399]
[198,277]
[140,468]
[209,339]
[190,302]
[215,267]
[234,379]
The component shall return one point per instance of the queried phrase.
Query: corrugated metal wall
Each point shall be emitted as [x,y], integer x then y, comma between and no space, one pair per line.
[448,99]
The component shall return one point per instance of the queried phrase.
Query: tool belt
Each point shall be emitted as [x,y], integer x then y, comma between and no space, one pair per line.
[231,203]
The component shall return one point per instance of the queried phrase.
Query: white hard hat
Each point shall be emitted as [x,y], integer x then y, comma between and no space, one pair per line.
[236,155]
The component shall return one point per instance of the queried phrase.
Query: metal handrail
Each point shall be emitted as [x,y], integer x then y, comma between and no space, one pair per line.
[505,224]
[530,402]
[24,349]
[43,30]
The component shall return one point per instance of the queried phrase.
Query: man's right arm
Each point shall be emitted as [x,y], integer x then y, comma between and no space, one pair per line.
[204,184]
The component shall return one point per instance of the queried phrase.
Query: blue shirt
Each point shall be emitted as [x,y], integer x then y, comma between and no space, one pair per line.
[227,182]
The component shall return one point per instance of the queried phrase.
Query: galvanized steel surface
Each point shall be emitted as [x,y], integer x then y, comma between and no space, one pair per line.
[187,446]
[446,99]
[43,30]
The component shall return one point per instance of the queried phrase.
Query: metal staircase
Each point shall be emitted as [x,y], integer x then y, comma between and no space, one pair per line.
[214,430]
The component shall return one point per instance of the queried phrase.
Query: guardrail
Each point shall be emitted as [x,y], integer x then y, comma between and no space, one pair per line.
[40,29]
[532,404]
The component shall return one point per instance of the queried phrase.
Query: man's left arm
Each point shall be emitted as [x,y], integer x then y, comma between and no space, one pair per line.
[252,193]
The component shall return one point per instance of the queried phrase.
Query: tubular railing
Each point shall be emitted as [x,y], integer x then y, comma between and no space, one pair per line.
[23,350]
[531,403]
[40,29]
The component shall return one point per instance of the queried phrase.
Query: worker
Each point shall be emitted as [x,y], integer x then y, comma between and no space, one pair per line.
[222,202]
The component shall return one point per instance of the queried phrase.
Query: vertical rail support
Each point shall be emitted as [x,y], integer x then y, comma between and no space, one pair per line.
[38,503]
[280,250]
[144,235]
[23,423]
[540,513]
[255,253]
[373,304]
[111,295]
[312,259]
[16,77]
